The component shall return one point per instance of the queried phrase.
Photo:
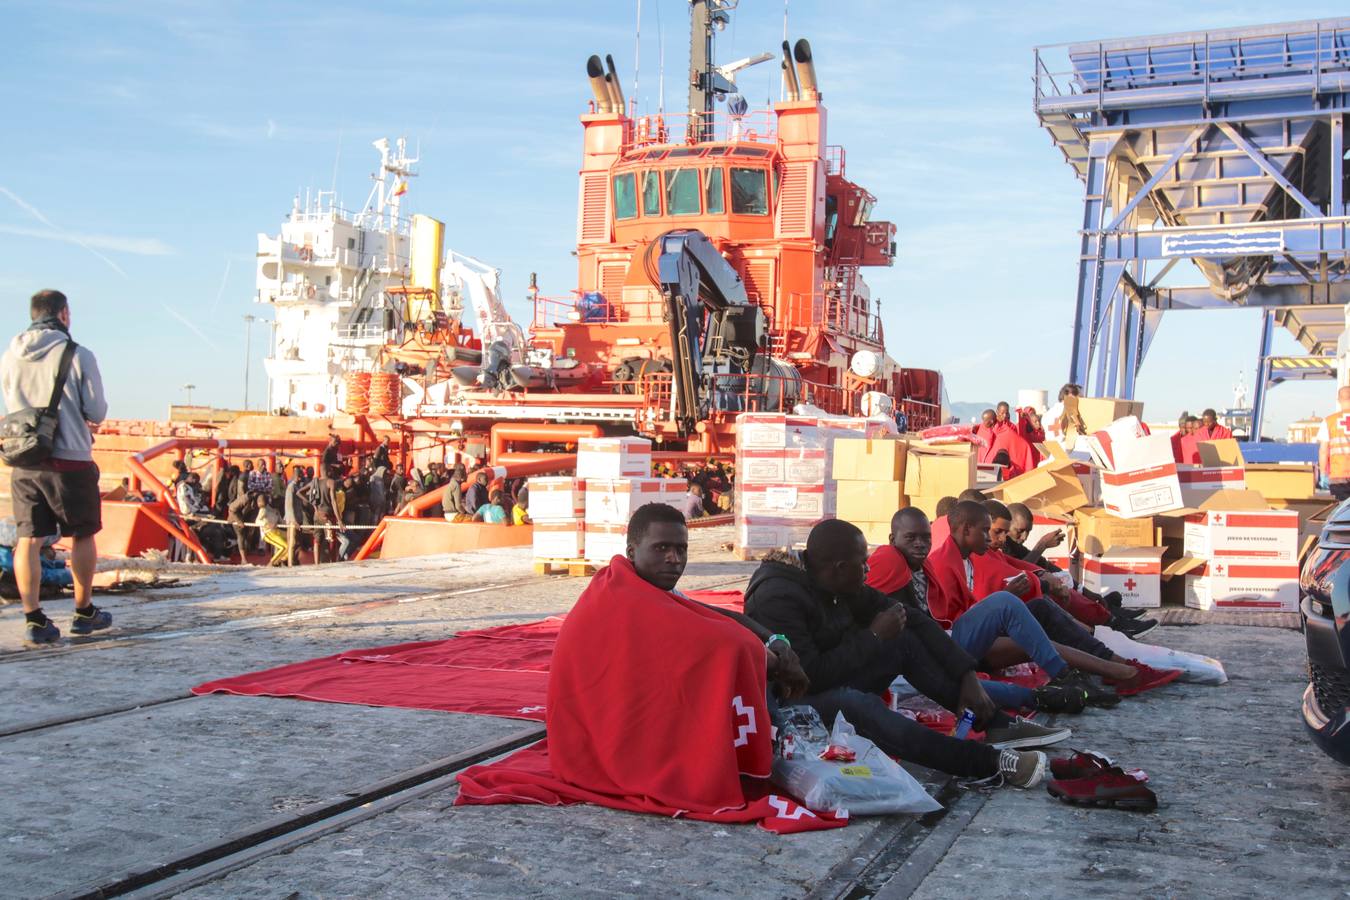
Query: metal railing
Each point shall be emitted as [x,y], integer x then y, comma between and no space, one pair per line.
[757,127]
[550,312]
[834,159]
[1195,61]
[737,393]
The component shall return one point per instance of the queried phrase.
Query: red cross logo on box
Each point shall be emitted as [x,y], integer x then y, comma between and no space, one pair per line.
[1130,584]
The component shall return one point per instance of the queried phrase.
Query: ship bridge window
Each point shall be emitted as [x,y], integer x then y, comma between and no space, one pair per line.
[750,151]
[682,192]
[713,197]
[864,213]
[625,196]
[684,151]
[651,193]
[749,192]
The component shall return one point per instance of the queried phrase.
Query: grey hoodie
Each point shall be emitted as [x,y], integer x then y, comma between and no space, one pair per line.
[27,372]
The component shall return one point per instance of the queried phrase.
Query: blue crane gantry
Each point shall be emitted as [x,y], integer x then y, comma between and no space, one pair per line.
[1225,148]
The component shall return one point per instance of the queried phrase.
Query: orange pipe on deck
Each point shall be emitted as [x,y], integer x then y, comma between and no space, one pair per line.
[542,464]
[551,433]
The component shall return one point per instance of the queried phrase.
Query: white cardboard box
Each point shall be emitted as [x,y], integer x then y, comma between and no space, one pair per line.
[559,540]
[771,532]
[1062,555]
[1248,535]
[775,431]
[1198,482]
[1241,584]
[1138,473]
[626,457]
[557,499]
[604,542]
[1136,572]
[788,465]
[612,501]
[803,502]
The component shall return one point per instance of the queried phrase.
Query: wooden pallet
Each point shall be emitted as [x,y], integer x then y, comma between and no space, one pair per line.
[575,568]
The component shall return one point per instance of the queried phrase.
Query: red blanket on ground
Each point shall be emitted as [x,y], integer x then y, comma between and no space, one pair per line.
[655,704]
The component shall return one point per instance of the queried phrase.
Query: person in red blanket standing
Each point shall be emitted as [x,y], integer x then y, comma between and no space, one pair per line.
[1210,429]
[853,642]
[1003,418]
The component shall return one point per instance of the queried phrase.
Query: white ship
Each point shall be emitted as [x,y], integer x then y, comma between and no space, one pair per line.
[327,277]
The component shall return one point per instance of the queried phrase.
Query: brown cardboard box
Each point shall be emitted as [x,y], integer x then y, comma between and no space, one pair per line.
[1278,481]
[1220,453]
[1174,579]
[869,501]
[1098,412]
[927,504]
[1053,489]
[876,533]
[1098,531]
[869,459]
[935,470]
[1312,514]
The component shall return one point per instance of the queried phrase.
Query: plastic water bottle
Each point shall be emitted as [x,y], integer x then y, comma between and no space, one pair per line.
[963,725]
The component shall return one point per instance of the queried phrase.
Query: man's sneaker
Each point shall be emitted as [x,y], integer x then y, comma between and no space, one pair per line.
[1053,698]
[1094,693]
[1113,788]
[1146,678]
[1083,764]
[1022,769]
[1022,732]
[45,635]
[1133,628]
[90,619]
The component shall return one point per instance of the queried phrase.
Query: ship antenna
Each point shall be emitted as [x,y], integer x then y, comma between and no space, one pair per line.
[637,51]
[660,65]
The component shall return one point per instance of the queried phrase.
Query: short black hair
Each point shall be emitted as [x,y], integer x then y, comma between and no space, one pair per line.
[966,512]
[944,506]
[972,494]
[46,304]
[909,512]
[830,539]
[649,515]
[997,510]
[1070,389]
[1021,512]
[1209,412]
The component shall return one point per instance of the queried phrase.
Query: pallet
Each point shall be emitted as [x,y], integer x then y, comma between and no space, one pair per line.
[575,568]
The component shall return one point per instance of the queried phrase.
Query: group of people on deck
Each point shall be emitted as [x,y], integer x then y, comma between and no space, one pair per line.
[840,626]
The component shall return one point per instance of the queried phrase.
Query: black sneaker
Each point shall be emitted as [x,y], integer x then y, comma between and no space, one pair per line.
[1061,698]
[1134,628]
[1112,601]
[1095,693]
[89,620]
[45,635]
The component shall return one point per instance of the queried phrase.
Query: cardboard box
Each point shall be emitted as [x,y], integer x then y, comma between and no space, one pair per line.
[1062,555]
[559,540]
[939,471]
[612,501]
[1243,585]
[626,457]
[774,430]
[1269,535]
[604,542]
[803,502]
[1138,473]
[1052,489]
[1220,454]
[771,533]
[1098,531]
[1312,514]
[877,533]
[1136,572]
[1174,578]
[788,465]
[927,504]
[557,499]
[1281,481]
[869,501]
[862,459]
[1198,482]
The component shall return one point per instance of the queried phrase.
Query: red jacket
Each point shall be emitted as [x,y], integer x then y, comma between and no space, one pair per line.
[1176,447]
[1215,433]
[948,594]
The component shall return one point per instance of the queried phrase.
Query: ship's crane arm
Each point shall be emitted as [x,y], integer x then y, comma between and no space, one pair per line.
[480,283]
[694,279]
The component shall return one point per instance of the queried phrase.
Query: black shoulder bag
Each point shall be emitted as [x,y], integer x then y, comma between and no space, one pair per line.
[27,436]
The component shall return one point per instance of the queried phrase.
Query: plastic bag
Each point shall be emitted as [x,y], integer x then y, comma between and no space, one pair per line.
[873,784]
[1195,669]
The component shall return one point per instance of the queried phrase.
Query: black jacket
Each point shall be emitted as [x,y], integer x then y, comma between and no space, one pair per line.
[831,634]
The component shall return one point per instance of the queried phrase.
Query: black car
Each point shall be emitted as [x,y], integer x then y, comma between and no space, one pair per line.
[1325,590]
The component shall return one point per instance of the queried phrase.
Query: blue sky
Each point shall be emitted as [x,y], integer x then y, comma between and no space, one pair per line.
[149,143]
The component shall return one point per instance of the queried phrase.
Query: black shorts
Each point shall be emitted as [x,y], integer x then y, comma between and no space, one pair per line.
[49,501]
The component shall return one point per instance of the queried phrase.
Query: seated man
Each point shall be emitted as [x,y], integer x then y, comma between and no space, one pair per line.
[897,570]
[491,512]
[961,575]
[632,712]
[853,642]
[1126,621]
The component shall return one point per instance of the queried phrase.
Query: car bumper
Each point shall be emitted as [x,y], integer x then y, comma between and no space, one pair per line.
[1326,702]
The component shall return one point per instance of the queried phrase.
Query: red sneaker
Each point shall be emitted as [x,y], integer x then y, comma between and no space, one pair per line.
[1113,788]
[1083,764]
[1145,679]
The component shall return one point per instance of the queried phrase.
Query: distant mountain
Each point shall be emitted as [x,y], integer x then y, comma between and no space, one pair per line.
[965,411]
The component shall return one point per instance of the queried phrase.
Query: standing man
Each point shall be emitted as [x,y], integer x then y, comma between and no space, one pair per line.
[1333,451]
[1210,429]
[60,494]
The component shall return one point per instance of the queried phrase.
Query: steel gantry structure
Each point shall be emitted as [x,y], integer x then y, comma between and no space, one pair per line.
[1222,148]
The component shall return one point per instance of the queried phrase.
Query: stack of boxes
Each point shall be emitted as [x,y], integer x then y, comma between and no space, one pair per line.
[586,517]
[870,480]
[1249,558]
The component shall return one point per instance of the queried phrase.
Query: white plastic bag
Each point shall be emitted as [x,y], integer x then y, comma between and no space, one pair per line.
[1195,669]
[871,784]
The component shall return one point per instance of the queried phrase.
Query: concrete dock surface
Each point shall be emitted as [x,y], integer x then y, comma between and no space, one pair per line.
[114,769]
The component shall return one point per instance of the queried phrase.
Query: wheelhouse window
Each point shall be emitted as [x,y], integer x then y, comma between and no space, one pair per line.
[625,196]
[714,200]
[749,192]
[651,193]
[682,192]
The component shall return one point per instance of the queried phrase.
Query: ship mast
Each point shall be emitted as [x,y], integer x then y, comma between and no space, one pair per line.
[706,17]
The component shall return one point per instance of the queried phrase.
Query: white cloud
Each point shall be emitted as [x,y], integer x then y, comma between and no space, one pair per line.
[112,242]
[190,326]
[57,231]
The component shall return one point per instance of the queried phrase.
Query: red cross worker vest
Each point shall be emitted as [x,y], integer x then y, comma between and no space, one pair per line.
[1338,446]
